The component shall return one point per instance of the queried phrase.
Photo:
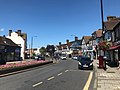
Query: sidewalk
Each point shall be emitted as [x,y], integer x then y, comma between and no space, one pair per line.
[107,80]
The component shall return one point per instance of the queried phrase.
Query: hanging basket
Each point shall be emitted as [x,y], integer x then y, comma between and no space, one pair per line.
[104,45]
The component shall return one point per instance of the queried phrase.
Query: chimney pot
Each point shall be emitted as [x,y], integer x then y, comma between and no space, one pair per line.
[4,36]
[59,43]
[110,18]
[10,31]
[76,38]
[68,43]
[19,32]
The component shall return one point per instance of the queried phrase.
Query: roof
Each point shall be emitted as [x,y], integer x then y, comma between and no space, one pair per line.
[99,33]
[7,42]
[76,44]
[64,46]
[87,38]
[24,36]
[109,25]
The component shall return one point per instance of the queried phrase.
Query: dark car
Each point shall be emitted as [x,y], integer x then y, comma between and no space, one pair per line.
[85,63]
[39,57]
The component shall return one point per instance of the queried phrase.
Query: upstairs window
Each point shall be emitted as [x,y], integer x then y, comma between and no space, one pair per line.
[108,36]
[117,34]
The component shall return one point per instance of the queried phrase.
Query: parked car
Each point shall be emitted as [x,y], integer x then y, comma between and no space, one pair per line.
[39,57]
[63,57]
[75,57]
[85,63]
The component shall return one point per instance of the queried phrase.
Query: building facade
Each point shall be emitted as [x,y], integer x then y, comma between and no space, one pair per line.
[20,39]
[9,51]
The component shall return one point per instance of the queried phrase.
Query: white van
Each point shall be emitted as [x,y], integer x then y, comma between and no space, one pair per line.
[63,57]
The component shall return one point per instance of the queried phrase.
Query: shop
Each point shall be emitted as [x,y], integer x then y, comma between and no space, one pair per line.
[9,51]
[115,53]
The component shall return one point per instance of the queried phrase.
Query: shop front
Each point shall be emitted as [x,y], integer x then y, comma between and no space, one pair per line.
[9,51]
[115,53]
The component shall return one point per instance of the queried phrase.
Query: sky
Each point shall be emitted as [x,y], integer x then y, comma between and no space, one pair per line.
[54,21]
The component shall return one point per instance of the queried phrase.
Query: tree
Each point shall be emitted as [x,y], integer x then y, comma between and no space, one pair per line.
[50,49]
[42,50]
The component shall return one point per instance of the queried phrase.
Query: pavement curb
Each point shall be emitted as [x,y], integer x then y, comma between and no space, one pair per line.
[21,69]
[96,78]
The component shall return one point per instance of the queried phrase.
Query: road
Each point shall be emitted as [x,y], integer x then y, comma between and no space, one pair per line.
[59,76]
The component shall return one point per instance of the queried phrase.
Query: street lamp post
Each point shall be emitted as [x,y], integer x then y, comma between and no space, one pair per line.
[102,17]
[32,44]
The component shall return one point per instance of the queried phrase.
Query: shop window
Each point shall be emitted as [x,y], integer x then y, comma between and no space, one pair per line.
[10,56]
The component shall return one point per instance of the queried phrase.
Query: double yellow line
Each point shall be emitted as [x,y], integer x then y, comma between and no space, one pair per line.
[86,87]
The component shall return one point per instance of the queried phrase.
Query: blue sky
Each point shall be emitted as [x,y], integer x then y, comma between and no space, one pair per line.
[54,21]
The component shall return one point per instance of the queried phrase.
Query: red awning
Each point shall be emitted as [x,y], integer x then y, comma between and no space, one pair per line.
[114,47]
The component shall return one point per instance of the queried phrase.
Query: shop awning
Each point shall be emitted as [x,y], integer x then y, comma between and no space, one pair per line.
[114,47]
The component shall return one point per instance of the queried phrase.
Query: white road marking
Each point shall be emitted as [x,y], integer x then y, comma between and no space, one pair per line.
[86,87]
[59,74]
[50,78]
[37,84]
[66,70]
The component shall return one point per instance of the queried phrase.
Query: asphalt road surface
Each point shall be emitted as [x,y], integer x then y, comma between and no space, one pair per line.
[63,75]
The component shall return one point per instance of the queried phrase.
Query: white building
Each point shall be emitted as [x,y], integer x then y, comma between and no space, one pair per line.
[85,43]
[20,39]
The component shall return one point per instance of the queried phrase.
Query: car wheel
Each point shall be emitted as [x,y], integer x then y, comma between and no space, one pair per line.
[79,67]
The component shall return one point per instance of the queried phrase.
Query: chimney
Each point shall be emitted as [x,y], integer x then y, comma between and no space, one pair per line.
[68,43]
[10,31]
[59,43]
[4,39]
[19,32]
[60,46]
[76,38]
[4,36]
[110,18]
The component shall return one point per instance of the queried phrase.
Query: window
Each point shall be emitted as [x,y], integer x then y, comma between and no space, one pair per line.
[108,35]
[117,34]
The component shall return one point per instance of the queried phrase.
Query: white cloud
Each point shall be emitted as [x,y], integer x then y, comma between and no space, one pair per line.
[2,29]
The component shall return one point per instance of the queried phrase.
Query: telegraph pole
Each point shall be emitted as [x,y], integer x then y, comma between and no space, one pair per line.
[102,17]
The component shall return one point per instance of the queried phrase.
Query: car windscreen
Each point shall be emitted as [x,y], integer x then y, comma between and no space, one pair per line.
[84,59]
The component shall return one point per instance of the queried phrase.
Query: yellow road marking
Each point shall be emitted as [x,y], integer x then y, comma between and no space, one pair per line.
[59,74]
[50,78]
[37,84]
[86,87]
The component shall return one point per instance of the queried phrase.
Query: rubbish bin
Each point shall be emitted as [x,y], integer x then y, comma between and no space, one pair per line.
[100,58]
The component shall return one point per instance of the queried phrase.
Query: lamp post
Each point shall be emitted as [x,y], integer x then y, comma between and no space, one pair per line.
[101,2]
[102,17]
[32,44]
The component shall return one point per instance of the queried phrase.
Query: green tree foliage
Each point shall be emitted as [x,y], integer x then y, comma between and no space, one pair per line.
[33,54]
[42,50]
[50,49]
